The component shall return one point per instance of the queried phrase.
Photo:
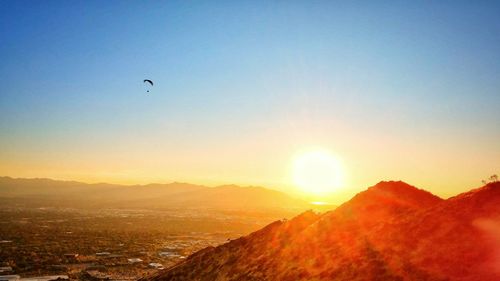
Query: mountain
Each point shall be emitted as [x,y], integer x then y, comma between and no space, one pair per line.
[232,197]
[47,192]
[391,231]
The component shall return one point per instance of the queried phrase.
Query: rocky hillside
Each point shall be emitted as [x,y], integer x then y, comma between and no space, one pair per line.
[391,231]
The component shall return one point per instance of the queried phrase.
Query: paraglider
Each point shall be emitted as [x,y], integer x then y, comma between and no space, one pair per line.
[148,81]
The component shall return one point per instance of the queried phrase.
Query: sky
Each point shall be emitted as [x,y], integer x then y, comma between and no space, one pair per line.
[397,90]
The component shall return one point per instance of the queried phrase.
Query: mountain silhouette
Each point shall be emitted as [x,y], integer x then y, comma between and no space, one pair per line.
[47,192]
[391,231]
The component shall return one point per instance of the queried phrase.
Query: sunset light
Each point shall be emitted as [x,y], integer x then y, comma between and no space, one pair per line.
[317,172]
[249,140]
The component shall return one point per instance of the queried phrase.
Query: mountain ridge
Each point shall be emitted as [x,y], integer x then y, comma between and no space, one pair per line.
[434,240]
[170,195]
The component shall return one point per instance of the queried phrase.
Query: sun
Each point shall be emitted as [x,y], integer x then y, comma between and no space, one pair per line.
[317,172]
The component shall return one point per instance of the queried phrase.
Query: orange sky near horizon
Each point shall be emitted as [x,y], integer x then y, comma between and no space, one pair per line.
[431,166]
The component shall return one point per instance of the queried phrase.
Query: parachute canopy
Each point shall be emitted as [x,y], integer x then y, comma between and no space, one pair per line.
[149,81]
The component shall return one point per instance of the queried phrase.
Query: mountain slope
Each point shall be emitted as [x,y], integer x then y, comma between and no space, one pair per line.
[391,231]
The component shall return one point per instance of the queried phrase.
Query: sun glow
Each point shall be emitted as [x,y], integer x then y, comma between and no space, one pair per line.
[317,172]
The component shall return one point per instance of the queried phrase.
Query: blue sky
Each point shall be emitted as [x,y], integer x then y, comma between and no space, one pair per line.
[238,80]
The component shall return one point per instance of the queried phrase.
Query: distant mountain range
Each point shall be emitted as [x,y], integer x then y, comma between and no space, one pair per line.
[391,231]
[53,193]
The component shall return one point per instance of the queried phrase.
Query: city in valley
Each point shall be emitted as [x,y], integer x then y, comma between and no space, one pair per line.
[59,230]
[115,244]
